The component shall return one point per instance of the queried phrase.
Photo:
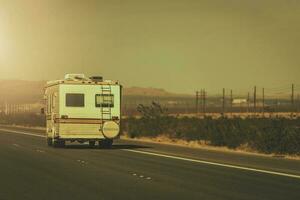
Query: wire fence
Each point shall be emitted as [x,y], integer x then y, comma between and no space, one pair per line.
[12,109]
[256,102]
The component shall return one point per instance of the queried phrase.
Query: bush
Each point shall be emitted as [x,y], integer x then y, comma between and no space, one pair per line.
[267,135]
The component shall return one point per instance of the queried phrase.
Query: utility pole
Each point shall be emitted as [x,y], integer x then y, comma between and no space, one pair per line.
[248,103]
[263,102]
[298,106]
[204,102]
[276,108]
[231,99]
[197,102]
[223,103]
[201,101]
[254,101]
[292,100]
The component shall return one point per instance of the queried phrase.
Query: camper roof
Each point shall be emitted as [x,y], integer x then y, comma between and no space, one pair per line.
[81,80]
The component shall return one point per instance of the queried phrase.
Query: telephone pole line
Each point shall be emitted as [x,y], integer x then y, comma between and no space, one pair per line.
[248,103]
[197,102]
[263,102]
[223,103]
[201,102]
[204,102]
[292,100]
[254,101]
[231,99]
[298,104]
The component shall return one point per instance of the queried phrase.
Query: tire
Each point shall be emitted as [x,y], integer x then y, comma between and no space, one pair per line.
[49,142]
[55,143]
[92,144]
[105,144]
[59,143]
[62,143]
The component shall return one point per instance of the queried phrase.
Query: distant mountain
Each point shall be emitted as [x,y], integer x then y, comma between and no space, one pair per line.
[139,91]
[21,92]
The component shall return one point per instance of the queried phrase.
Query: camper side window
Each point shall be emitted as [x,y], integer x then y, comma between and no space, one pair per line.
[74,100]
[104,100]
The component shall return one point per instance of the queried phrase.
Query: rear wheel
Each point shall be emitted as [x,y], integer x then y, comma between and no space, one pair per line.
[49,142]
[92,144]
[59,143]
[106,143]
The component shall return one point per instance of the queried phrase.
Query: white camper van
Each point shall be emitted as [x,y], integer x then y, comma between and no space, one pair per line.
[82,109]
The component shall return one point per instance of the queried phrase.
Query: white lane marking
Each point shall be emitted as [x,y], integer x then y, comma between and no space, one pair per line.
[215,163]
[23,133]
[16,145]
[184,159]
[82,161]
[40,151]
[141,176]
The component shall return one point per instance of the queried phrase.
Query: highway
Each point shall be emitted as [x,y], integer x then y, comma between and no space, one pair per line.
[137,170]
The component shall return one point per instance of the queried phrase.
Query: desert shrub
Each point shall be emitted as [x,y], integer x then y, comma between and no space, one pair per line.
[290,143]
[151,123]
[267,135]
[277,136]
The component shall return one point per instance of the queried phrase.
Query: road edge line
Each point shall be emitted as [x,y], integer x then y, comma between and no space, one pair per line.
[215,164]
[22,133]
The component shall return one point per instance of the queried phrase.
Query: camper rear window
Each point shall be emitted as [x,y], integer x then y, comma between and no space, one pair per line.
[104,100]
[74,100]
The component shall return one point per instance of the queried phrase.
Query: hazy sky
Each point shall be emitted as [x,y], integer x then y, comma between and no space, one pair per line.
[177,45]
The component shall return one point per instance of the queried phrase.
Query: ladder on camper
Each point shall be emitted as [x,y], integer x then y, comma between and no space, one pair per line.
[105,110]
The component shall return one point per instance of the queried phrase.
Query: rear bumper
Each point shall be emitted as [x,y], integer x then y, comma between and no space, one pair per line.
[79,139]
[82,136]
[78,131]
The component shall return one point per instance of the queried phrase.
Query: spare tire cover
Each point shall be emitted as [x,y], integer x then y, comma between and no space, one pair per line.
[110,129]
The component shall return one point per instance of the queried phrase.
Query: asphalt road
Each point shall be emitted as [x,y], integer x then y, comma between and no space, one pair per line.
[135,170]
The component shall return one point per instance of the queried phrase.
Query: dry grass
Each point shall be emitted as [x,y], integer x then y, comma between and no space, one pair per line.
[204,145]
[242,115]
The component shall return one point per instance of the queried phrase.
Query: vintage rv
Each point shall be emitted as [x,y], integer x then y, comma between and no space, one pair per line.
[82,109]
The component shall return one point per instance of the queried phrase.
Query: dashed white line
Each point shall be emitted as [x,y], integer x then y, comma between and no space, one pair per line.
[183,159]
[141,176]
[82,161]
[40,151]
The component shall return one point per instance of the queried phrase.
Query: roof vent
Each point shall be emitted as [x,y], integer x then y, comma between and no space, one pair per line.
[96,78]
[75,77]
